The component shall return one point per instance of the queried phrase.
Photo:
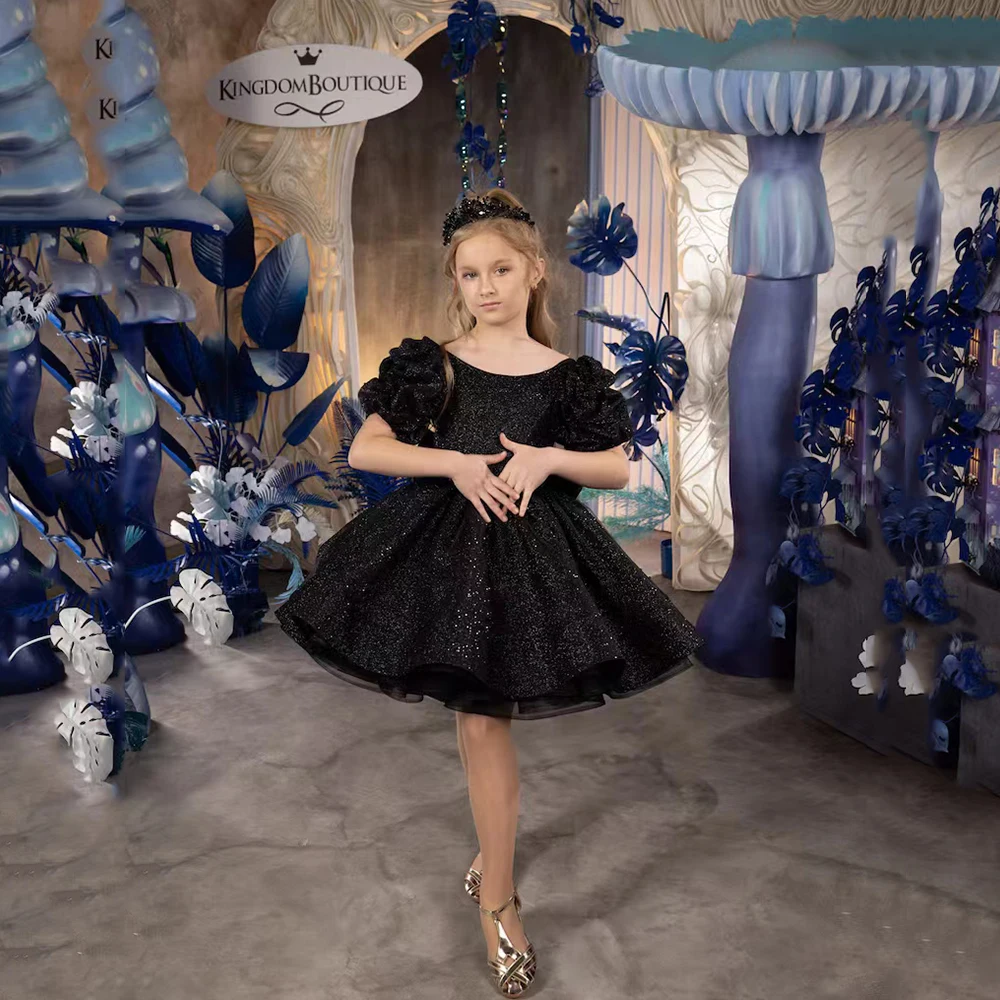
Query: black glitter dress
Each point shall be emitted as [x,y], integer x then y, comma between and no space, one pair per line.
[531,618]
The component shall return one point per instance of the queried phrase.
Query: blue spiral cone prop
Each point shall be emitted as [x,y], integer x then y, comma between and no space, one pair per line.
[147,169]
[43,172]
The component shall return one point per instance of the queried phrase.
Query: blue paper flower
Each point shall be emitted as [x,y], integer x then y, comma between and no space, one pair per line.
[602,238]
[477,146]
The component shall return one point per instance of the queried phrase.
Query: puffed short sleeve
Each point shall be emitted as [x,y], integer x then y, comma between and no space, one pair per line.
[591,415]
[409,390]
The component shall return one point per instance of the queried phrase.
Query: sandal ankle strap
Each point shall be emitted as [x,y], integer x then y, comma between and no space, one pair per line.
[495,914]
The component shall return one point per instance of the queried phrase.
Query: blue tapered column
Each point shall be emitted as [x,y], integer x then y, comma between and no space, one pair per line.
[781,238]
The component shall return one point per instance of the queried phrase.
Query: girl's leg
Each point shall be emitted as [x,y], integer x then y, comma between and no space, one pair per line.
[491,766]
[478,860]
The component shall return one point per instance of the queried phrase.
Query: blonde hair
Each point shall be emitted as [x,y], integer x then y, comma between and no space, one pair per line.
[524,239]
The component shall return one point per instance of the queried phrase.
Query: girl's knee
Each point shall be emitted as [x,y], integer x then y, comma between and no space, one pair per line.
[480,727]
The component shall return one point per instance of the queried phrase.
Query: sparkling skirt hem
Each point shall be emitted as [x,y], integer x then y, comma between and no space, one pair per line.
[459,689]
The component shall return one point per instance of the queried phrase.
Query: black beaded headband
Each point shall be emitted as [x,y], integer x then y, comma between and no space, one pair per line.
[472,209]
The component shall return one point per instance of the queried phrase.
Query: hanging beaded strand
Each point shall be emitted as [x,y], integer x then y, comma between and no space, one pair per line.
[462,113]
[500,43]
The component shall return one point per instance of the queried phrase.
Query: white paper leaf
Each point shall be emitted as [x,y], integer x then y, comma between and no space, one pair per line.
[201,600]
[83,727]
[867,654]
[60,446]
[84,644]
[862,682]
[909,679]
[135,690]
[306,529]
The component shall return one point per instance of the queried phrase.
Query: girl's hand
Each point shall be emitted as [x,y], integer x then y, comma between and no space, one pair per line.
[526,471]
[473,479]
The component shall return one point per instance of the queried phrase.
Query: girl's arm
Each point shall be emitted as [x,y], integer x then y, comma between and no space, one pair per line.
[598,470]
[375,448]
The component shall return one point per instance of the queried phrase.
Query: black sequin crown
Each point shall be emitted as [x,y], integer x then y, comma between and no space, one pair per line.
[471,209]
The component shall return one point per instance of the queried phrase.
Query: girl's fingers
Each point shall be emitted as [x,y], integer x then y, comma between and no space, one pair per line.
[524,502]
[506,487]
[510,504]
[477,503]
[492,504]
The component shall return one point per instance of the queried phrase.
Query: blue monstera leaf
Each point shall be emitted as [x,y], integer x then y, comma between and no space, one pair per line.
[809,481]
[815,433]
[651,373]
[606,17]
[928,598]
[805,559]
[602,238]
[470,27]
[893,600]
[926,520]
[275,298]
[967,672]
[936,469]
[226,260]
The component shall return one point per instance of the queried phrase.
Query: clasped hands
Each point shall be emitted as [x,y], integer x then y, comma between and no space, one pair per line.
[526,470]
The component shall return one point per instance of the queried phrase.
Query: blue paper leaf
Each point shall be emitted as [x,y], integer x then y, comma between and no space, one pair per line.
[228,391]
[227,261]
[176,451]
[55,367]
[306,420]
[273,371]
[179,354]
[939,736]
[275,298]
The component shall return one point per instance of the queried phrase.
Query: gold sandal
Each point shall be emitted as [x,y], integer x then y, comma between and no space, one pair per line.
[474,878]
[512,972]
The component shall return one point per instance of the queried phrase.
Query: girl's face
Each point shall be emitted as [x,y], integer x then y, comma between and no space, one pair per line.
[494,279]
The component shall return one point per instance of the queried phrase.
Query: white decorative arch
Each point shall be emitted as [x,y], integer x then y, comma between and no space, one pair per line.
[300,180]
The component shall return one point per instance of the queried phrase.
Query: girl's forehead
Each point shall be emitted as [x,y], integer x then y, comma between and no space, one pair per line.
[484,246]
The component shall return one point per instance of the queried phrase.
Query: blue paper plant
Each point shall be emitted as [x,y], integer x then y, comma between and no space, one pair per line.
[652,368]
[586,16]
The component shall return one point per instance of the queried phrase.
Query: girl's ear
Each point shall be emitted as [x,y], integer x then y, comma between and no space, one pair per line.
[539,269]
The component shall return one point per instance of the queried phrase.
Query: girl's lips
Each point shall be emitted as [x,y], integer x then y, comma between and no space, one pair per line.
[490,305]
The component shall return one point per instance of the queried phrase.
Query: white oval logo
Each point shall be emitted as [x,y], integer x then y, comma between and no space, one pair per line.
[310,86]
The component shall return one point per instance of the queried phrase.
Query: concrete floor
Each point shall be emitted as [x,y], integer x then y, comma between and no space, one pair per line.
[285,835]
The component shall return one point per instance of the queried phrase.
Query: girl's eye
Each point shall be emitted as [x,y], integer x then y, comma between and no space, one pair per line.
[503,268]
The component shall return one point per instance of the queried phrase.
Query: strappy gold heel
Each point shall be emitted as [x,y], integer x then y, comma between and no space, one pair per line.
[512,972]
[474,878]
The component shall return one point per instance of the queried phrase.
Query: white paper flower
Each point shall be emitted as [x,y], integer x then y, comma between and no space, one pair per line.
[179,527]
[306,529]
[909,679]
[867,654]
[85,645]
[282,535]
[201,600]
[90,411]
[863,683]
[83,727]
[11,300]
[260,533]
[59,442]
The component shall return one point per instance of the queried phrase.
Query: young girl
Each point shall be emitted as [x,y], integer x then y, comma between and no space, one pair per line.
[484,582]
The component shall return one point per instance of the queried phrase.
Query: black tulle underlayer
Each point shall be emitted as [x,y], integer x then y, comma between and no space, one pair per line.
[459,689]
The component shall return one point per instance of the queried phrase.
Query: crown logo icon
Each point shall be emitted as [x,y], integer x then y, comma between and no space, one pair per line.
[307,58]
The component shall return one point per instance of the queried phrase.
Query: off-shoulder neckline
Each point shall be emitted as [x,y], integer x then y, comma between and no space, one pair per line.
[485,371]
